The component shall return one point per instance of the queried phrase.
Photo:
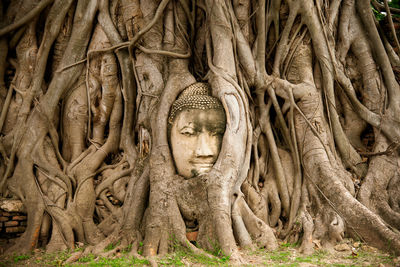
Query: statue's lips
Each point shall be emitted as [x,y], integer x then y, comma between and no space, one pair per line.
[202,168]
[202,165]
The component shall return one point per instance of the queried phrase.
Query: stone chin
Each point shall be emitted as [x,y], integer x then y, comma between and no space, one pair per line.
[200,170]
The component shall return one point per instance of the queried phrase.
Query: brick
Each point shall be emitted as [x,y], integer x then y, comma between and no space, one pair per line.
[23,223]
[19,218]
[3,219]
[17,229]
[11,223]
[192,236]
[6,214]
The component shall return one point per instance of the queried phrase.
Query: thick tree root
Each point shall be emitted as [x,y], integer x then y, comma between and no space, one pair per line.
[87,86]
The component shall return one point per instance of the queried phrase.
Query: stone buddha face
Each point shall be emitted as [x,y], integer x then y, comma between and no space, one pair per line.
[196,127]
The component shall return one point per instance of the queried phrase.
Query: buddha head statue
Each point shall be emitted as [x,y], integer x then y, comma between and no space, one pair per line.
[196,125]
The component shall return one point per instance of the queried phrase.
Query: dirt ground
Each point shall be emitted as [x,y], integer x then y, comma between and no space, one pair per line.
[348,253]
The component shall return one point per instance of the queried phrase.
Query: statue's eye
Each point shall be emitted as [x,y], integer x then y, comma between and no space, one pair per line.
[188,132]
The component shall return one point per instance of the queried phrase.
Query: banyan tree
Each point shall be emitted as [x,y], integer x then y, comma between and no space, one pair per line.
[292,107]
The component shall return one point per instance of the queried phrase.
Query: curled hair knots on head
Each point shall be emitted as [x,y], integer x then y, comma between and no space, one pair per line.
[195,96]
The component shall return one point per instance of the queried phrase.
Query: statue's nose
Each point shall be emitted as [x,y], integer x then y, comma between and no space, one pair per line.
[204,146]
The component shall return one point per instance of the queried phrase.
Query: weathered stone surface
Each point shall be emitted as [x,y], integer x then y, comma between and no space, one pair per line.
[12,205]
[196,149]
[342,247]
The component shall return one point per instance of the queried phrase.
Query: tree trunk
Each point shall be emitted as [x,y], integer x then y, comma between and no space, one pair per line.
[311,142]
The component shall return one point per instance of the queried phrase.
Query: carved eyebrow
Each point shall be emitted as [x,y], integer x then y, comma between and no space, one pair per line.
[185,125]
[192,127]
[215,128]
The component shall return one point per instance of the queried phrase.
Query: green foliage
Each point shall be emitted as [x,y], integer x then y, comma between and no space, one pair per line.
[280,256]
[183,256]
[365,257]
[111,246]
[53,259]
[87,258]
[378,15]
[127,249]
[289,245]
[22,257]
[304,259]
[285,255]
[316,258]
[216,248]
[123,261]
[394,3]
[140,248]
[381,15]
[321,253]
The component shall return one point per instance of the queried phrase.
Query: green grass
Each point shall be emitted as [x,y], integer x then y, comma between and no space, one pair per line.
[22,257]
[123,261]
[286,255]
[288,245]
[304,259]
[182,256]
[316,258]
[362,258]
[53,259]
[111,246]
[87,258]
[283,256]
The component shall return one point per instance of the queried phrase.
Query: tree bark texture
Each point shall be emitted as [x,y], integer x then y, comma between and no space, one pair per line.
[310,152]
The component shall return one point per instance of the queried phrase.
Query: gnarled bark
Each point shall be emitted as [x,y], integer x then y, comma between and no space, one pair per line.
[310,148]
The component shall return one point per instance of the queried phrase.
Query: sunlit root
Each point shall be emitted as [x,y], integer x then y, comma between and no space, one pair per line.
[256,201]
[260,232]
[75,121]
[110,86]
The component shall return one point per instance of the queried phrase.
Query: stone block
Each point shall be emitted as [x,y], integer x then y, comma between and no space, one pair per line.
[342,247]
[12,205]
